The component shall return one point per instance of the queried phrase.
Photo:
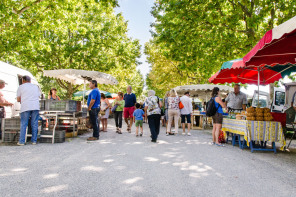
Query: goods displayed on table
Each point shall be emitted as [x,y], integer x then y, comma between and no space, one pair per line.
[241,116]
[259,114]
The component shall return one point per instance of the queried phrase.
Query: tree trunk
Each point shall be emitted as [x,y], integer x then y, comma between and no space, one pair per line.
[70,91]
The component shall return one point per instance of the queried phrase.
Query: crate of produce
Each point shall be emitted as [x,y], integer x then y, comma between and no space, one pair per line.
[42,105]
[11,136]
[12,123]
[82,129]
[59,136]
[82,121]
[70,134]
[67,105]
[78,106]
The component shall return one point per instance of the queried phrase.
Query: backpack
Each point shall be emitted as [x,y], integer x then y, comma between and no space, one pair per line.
[211,108]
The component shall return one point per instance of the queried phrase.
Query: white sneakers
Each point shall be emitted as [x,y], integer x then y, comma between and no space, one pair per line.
[189,134]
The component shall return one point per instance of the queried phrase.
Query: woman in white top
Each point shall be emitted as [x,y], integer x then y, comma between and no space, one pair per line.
[105,106]
[173,111]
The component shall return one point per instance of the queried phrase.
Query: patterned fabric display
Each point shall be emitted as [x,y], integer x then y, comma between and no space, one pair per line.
[256,130]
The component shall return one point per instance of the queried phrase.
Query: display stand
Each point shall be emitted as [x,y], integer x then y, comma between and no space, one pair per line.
[197,121]
[54,119]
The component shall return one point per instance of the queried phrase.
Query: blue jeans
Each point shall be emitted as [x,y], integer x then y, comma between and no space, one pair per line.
[93,117]
[25,116]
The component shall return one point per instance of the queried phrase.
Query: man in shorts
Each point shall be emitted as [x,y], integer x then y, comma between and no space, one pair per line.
[129,107]
[186,112]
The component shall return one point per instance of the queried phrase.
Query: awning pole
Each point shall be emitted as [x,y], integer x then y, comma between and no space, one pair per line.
[83,94]
[258,85]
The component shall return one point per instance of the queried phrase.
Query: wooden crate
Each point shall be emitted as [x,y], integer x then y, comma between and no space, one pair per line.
[70,134]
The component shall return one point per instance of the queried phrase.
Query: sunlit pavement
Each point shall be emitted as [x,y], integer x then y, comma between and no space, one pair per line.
[126,165]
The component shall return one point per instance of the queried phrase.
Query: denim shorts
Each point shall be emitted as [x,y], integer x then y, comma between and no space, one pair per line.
[218,118]
[187,116]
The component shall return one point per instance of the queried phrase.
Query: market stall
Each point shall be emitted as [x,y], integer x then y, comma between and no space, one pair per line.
[270,60]
[252,125]
[200,94]
[59,119]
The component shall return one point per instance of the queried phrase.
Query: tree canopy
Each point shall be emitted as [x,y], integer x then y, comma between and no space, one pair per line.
[193,38]
[80,34]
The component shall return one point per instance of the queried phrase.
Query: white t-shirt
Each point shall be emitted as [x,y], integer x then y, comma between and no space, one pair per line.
[187,102]
[29,94]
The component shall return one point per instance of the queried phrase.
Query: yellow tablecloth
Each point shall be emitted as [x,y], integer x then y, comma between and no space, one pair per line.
[256,130]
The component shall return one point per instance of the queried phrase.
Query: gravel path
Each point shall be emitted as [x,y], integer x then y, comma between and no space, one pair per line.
[123,165]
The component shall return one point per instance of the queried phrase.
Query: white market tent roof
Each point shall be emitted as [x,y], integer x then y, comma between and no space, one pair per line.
[78,77]
[202,91]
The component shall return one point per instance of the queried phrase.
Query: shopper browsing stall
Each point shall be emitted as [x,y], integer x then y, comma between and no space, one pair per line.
[28,95]
[117,109]
[105,108]
[186,112]
[93,103]
[218,117]
[152,110]
[173,111]
[3,103]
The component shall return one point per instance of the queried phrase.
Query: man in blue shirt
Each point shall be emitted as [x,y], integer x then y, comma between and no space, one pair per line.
[93,103]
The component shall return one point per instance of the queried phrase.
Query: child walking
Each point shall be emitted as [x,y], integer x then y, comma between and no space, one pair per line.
[138,119]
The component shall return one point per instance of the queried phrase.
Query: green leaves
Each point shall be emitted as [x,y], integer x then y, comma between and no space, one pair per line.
[80,34]
[198,36]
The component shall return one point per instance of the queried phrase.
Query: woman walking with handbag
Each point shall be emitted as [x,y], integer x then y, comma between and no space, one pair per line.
[173,111]
[117,109]
[105,111]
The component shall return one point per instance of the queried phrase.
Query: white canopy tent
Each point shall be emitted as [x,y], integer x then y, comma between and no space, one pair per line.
[202,91]
[79,77]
